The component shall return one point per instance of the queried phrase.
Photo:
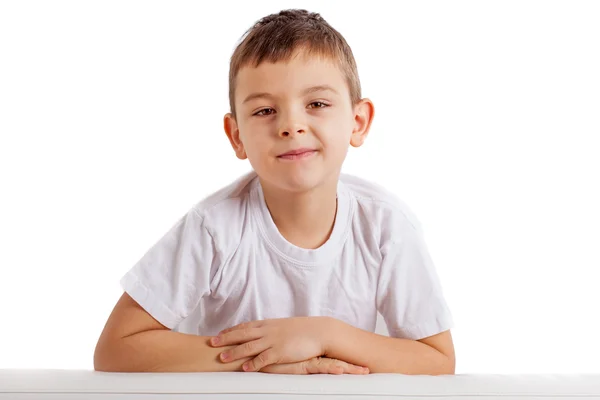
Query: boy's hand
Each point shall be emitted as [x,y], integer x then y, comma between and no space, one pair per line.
[317,365]
[275,341]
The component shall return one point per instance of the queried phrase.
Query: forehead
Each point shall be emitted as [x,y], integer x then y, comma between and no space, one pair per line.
[285,78]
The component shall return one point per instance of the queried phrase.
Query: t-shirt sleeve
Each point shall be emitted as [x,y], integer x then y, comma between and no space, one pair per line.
[172,277]
[409,294]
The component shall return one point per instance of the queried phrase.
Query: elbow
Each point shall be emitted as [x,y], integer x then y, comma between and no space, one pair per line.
[101,363]
[445,365]
[115,356]
[102,368]
[449,366]
[104,360]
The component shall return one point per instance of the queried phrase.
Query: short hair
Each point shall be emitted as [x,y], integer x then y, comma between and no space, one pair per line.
[277,36]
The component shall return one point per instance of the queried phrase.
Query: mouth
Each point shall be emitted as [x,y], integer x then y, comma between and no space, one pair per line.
[297,154]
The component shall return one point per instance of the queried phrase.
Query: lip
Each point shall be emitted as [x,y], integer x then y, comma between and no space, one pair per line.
[296,152]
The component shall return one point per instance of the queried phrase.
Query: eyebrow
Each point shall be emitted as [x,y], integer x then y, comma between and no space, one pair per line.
[312,89]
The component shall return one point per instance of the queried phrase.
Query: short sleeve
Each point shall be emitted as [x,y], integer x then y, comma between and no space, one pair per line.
[172,277]
[409,294]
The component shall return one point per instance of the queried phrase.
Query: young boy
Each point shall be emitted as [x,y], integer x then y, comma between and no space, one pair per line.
[285,269]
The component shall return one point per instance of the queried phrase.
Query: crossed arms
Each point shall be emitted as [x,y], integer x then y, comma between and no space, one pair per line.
[134,341]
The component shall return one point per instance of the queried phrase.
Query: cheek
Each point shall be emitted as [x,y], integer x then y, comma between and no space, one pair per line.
[256,145]
[338,133]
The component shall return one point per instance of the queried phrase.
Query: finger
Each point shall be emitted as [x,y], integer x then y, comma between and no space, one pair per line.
[248,349]
[286,369]
[265,358]
[238,326]
[337,367]
[356,369]
[251,324]
[237,337]
[323,365]
[347,368]
[329,366]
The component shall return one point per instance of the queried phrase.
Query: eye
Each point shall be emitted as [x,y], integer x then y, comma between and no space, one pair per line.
[264,111]
[318,104]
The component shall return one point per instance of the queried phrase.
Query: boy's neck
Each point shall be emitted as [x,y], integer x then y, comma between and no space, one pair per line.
[304,219]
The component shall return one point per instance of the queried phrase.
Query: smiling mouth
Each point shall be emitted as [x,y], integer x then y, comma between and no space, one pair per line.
[297,155]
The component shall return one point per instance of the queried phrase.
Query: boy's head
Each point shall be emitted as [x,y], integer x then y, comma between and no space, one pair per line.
[293,84]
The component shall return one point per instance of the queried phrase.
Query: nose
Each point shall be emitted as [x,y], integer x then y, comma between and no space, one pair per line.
[291,125]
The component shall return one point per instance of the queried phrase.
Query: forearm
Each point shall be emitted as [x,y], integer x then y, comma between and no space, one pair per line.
[162,351]
[384,354]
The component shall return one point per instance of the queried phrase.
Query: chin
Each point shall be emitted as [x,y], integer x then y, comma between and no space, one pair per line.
[296,182]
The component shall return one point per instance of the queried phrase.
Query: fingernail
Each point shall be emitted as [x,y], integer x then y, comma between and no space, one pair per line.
[224,356]
[216,340]
[245,367]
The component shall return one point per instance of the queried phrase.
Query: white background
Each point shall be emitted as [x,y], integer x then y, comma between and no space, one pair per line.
[487,125]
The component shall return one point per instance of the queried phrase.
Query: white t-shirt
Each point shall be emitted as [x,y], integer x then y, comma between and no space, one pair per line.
[225,262]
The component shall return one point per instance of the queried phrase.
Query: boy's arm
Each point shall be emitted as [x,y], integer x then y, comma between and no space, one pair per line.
[133,341]
[429,356]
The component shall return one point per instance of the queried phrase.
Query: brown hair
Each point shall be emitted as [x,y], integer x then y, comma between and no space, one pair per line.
[276,37]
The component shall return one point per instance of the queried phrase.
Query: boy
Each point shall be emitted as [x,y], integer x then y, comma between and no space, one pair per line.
[285,269]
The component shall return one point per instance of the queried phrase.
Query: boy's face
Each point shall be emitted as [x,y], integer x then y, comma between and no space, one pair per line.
[303,104]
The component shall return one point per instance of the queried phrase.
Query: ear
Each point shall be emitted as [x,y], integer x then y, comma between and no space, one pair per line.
[233,134]
[364,112]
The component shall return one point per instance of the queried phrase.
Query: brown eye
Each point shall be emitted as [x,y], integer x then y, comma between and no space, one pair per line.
[265,111]
[318,104]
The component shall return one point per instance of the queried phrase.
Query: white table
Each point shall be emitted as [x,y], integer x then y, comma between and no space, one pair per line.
[31,384]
